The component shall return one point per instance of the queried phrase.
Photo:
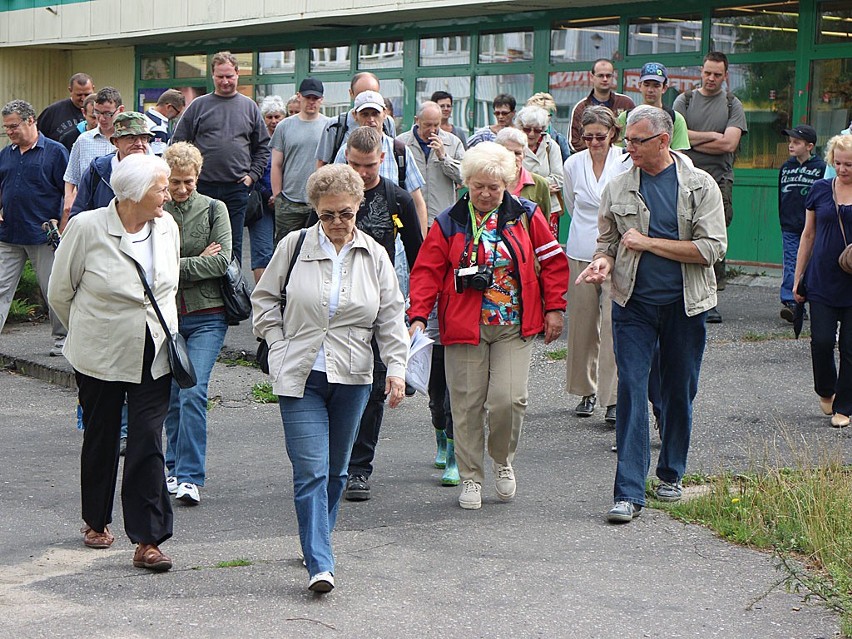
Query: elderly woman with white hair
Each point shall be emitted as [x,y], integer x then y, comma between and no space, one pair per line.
[543,156]
[500,279]
[118,349]
[526,184]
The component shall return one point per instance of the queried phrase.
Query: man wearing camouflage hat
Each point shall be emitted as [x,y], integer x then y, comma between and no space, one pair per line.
[130,135]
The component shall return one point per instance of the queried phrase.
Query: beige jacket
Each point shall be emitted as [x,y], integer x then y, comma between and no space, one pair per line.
[370,303]
[700,218]
[441,176]
[96,293]
[547,162]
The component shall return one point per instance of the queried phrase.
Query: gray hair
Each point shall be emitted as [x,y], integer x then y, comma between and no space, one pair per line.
[489,158]
[21,107]
[334,179]
[658,119]
[510,134]
[134,176]
[533,116]
[426,105]
[599,114]
[272,104]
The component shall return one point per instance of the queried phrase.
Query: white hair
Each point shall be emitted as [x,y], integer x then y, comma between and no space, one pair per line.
[490,158]
[532,116]
[511,134]
[658,119]
[426,105]
[135,175]
[272,104]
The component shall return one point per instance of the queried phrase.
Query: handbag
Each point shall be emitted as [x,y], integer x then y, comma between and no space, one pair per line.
[255,208]
[844,260]
[236,291]
[262,355]
[183,372]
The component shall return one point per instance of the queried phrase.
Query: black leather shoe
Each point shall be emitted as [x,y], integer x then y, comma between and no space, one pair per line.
[609,418]
[586,406]
[788,311]
[357,488]
[713,316]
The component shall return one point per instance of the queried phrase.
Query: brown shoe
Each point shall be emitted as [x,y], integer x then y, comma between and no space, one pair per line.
[94,539]
[149,556]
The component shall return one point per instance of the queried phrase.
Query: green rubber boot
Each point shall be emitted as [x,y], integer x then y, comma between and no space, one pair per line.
[441,456]
[451,473]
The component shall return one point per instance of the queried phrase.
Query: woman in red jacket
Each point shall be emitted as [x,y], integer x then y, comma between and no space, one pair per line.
[500,278]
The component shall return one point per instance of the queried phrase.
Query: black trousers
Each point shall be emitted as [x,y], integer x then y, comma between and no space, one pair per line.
[364,448]
[439,394]
[144,496]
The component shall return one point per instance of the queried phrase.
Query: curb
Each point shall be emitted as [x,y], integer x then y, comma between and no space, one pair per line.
[39,371]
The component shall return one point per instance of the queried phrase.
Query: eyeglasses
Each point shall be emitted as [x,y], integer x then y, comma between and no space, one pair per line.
[12,127]
[104,114]
[598,137]
[604,76]
[640,141]
[502,113]
[345,215]
[531,129]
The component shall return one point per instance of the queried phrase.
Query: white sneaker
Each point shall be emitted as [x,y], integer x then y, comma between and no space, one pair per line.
[172,484]
[471,495]
[188,494]
[505,481]
[321,582]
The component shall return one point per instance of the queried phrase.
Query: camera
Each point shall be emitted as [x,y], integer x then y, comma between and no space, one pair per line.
[476,277]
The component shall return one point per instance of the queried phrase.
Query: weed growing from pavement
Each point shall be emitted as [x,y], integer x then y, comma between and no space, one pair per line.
[557,355]
[21,310]
[262,392]
[754,336]
[234,563]
[803,514]
[238,361]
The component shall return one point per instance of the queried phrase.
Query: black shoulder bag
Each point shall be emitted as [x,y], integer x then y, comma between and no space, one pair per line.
[183,372]
[236,292]
[262,355]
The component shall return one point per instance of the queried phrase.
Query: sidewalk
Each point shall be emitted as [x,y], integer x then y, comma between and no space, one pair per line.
[411,563]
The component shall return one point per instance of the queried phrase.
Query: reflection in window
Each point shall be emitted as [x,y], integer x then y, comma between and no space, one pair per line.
[516,46]
[394,90]
[831,97]
[445,50]
[380,55]
[659,34]
[335,98]
[191,66]
[755,27]
[766,91]
[835,22]
[487,86]
[331,58]
[284,91]
[269,62]
[587,39]
[156,67]
[247,90]
[245,62]
[567,89]
[459,88]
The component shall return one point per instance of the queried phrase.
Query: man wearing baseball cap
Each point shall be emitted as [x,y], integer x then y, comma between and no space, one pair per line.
[795,179]
[653,83]
[130,135]
[294,144]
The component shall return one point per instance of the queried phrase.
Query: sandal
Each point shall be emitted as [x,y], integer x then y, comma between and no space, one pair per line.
[94,539]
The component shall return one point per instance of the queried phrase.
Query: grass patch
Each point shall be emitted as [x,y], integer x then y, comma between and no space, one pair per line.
[22,310]
[557,355]
[262,392]
[27,302]
[239,361]
[803,514]
[234,563]
[755,336]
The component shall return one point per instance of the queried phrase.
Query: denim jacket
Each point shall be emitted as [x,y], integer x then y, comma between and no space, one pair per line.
[700,218]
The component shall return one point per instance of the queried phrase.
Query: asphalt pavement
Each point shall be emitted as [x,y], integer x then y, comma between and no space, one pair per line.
[410,562]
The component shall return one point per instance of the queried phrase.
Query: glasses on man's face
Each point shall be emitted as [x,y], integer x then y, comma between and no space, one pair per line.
[12,127]
[345,215]
[104,114]
[501,114]
[640,141]
[597,137]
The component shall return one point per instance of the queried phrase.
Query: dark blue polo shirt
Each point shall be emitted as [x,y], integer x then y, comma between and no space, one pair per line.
[32,189]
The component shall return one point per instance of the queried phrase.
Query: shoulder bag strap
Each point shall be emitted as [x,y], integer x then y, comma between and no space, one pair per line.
[837,208]
[151,297]
[293,259]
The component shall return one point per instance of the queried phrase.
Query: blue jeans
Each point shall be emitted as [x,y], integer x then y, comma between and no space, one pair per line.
[186,421]
[235,196]
[827,381]
[636,328]
[791,249]
[319,429]
[260,234]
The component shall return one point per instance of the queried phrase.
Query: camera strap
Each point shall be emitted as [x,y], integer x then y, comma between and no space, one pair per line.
[477,231]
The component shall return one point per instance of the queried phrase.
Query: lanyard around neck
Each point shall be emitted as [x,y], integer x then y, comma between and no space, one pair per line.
[478,230]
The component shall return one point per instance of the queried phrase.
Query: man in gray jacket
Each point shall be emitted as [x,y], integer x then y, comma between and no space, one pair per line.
[661,229]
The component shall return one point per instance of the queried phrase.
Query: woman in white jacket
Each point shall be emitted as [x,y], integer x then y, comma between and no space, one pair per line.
[591,371]
[342,291]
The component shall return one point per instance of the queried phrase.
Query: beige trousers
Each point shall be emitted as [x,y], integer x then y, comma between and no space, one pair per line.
[590,363]
[489,378]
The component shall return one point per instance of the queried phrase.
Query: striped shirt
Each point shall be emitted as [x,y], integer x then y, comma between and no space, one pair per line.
[90,145]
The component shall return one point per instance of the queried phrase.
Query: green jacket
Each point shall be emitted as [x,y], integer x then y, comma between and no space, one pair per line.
[198,287]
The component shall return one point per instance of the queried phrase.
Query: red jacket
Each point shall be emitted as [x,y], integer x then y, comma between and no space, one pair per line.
[459,314]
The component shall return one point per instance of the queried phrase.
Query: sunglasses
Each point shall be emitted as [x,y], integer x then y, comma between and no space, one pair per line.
[531,129]
[597,137]
[345,215]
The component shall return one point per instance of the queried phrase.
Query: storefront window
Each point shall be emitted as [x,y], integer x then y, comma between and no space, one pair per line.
[245,62]
[835,22]
[680,79]
[515,46]
[380,55]
[191,66]
[331,58]
[335,98]
[394,91]
[589,39]
[487,86]
[273,62]
[156,67]
[755,27]
[831,98]
[445,50]
[459,88]
[664,34]
[284,91]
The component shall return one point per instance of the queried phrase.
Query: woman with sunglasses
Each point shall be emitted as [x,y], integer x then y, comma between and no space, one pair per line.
[542,156]
[343,291]
[591,371]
